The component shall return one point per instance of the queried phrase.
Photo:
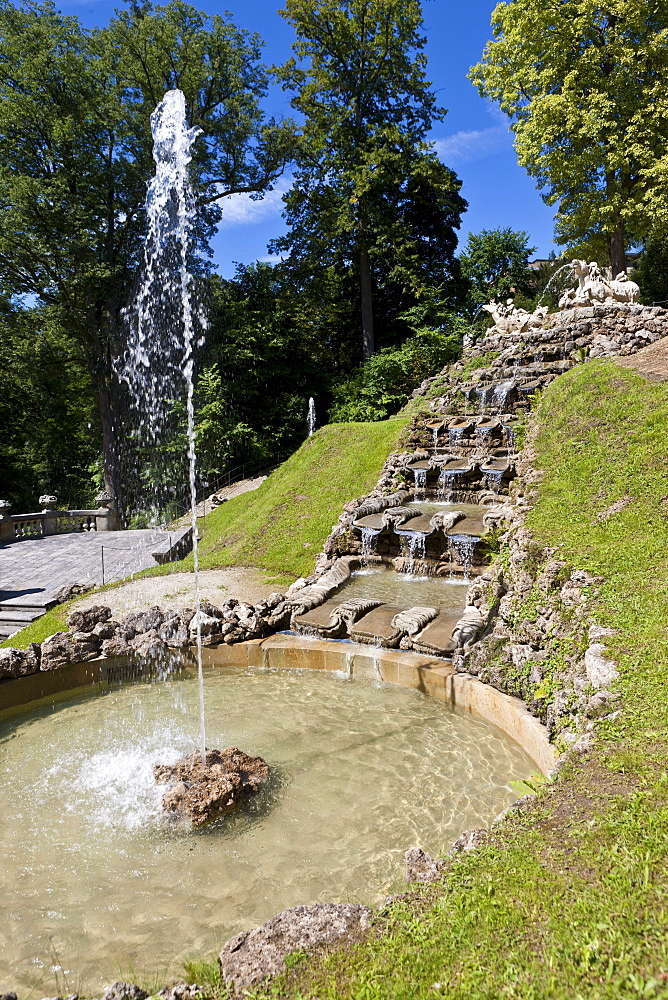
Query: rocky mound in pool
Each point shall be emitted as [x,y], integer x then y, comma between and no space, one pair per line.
[202,792]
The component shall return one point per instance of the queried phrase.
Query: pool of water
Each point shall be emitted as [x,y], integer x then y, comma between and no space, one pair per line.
[385,585]
[436,506]
[96,884]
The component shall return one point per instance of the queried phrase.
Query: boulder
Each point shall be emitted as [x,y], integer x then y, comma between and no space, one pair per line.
[469,840]
[149,645]
[180,991]
[175,630]
[86,619]
[600,671]
[106,630]
[421,867]
[202,793]
[137,622]
[60,649]
[209,624]
[19,662]
[124,991]
[210,609]
[116,646]
[260,954]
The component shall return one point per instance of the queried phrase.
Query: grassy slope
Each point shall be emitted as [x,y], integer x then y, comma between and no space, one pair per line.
[570,899]
[281,526]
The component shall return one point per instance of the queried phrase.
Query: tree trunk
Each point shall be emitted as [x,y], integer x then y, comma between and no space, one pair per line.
[99,366]
[109,455]
[617,249]
[613,183]
[366,292]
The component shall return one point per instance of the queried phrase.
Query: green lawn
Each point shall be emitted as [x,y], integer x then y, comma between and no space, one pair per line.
[282,526]
[569,900]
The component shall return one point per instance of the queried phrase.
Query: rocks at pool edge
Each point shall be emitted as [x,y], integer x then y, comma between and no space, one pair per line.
[260,954]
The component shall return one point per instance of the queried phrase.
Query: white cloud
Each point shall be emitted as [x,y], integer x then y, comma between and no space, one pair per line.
[464,147]
[240,210]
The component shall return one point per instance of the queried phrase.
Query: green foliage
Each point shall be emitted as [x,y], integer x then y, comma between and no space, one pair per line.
[372,205]
[495,262]
[382,385]
[584,85]
[650,270]
[49,433]
[263,361]
[206,974]
[479,361]
[75,155]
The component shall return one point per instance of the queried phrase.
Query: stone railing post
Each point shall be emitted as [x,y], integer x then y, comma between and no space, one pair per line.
[106,517]
[49,515]
[6,524]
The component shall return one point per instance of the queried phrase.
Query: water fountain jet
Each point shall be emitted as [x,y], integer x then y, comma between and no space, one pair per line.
[163,322]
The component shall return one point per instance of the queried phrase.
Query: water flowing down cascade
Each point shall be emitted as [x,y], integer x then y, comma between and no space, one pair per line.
[369,542]
[446,484]
[311,416]
[455,435]
[163,324]
[462,549]
[501,393]
[420,482]
[484,436]
[416,545]
[493,479]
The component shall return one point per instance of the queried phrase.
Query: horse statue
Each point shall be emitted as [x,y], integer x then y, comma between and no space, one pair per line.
[594,288]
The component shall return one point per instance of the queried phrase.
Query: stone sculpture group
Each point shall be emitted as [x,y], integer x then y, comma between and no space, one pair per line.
[594,288]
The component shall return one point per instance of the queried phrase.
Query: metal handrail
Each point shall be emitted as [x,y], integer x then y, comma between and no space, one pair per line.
[233,476]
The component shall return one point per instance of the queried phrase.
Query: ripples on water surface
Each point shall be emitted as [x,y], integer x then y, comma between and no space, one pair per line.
[361,773]
[444,593]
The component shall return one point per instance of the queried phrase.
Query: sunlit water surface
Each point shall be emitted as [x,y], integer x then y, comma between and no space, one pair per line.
[442,507]
[404,590]
[96,882]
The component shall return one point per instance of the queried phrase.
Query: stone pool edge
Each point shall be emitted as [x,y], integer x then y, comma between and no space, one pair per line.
[427,674]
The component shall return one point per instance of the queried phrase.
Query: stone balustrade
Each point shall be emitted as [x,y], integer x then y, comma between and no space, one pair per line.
[16,527]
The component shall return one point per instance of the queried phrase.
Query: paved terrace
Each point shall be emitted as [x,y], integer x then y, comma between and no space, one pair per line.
[34,571]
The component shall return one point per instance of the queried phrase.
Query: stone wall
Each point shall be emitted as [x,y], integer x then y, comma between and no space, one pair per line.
[525,362]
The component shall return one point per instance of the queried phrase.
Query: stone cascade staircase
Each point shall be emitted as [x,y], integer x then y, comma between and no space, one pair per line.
[420,629]
[462,444]
[502,371]
[14,617]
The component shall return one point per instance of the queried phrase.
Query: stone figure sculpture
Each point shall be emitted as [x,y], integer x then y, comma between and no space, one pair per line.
[595,288]
[509,319]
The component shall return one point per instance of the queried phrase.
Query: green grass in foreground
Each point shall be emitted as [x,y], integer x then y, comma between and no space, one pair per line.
[282,526]
[570,899]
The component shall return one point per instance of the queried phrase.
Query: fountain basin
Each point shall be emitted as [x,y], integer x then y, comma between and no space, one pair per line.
[114,888]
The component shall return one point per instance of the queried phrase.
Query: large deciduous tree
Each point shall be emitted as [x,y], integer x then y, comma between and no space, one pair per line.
[75,157]
[584,82]
[495,262]
[370,200]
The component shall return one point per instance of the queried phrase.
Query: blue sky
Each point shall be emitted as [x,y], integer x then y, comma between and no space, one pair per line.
[474,139]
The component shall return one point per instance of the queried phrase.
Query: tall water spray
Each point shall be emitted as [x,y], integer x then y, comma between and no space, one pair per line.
[162,322]
[311,416]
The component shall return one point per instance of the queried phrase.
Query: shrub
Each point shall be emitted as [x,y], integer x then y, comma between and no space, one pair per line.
[380,386]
